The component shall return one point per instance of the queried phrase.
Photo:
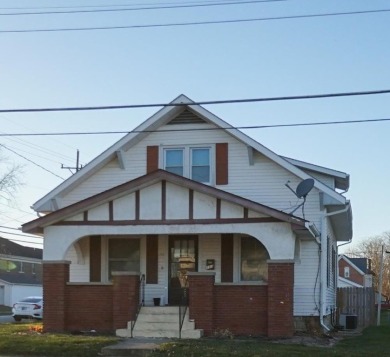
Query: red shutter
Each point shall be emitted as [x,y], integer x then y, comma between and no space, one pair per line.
[222,164]
[95,254]
[226,258]
[152,259]
[151,158]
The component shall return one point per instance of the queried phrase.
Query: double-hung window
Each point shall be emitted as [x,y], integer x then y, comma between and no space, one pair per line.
[174,161]
[200,164]
[192,162]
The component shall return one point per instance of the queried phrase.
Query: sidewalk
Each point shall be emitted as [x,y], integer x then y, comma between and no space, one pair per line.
[141,347]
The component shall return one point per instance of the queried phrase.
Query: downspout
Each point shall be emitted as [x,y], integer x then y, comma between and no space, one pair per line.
[323,261]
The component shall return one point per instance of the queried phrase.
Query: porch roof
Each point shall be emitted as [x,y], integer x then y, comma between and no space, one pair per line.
[160,176]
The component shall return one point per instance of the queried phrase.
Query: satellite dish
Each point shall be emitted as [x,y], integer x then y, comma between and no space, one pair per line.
[304,188]
[301,191]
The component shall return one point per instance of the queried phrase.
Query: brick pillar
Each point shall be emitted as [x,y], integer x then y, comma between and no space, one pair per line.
[280,298]
[201,300]
[55,277]
[125,298]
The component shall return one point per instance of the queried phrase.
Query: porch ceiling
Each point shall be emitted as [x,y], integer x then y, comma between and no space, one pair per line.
[162,198]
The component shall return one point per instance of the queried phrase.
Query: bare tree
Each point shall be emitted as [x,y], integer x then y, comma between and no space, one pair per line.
[9,181]
[372,248]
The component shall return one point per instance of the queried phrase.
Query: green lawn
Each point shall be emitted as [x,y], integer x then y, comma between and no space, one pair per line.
[375,341]
[20,339]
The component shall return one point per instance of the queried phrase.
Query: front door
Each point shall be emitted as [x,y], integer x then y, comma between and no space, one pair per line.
[183,258]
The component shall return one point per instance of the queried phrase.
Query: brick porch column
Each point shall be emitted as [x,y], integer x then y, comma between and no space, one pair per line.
[201,300]
[125,297]
[55,276]
[280,298]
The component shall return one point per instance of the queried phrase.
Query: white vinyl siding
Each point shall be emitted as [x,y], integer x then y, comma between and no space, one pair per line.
[79,267]
[306,270]
[268,188]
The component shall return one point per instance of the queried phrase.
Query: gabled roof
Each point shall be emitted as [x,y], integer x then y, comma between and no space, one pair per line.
[351,262]
[9,248]
[19,279]
[348,282]
[160,118]
[341,178]
[151,179]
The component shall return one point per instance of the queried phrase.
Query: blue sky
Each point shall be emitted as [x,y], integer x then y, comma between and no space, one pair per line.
[210,62]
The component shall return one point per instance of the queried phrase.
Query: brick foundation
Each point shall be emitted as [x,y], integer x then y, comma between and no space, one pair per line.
[280,298]
[55,277]
[249,309]
[242,309]
[87,306]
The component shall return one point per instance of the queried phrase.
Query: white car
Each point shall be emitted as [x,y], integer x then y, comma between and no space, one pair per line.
[28,308]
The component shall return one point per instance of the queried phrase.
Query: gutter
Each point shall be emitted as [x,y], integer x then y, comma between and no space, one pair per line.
[323,237]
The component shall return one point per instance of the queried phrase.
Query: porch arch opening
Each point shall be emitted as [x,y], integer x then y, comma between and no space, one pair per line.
[253,260]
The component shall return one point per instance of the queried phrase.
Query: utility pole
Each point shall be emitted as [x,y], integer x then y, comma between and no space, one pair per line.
[78,166]
[378,317]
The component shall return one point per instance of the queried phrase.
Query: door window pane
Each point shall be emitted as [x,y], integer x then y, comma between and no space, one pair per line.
[174,161]
[200,164]
[254,258]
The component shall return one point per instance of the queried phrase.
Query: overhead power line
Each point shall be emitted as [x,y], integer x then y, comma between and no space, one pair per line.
[210,102]
[21,233]
[116,5]
[334,122]
[197,23]
[143,8]
[20,240]
[33,162]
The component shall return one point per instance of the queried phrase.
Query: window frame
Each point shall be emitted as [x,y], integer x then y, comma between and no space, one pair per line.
[108,260]
[187,159]
[346,272]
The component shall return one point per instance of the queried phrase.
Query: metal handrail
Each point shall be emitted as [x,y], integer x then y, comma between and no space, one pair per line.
[142,302]
[183,306]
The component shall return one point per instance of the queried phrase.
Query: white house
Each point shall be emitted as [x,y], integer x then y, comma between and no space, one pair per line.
[196,207]
[20,272]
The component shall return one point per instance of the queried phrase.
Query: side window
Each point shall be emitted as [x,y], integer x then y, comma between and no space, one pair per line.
[346,272]
[174,161]
[200,164]
[254,258]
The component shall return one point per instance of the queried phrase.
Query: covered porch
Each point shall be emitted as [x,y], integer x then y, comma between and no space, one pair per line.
[235,255]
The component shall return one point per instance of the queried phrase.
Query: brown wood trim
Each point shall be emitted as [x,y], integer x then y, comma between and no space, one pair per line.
[227,249]
[246,212]
[85,216]
[95,254]
[152,259]
[137,204]
[111,210]
[151,159]
[218,209]
[163,199]
[222,164]
[140,222]
[191,204]
[146,180]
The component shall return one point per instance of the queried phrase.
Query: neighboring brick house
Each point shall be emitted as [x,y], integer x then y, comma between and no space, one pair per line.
[187,199]
[354,272]
[20,272]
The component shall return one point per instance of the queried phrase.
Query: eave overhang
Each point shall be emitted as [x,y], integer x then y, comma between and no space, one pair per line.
[37,225]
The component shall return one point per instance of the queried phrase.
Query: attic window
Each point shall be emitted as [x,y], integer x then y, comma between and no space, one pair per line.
[346,272]
[186,117]
[192,162]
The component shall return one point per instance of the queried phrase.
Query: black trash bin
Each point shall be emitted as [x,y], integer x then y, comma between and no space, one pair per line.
[156,301]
